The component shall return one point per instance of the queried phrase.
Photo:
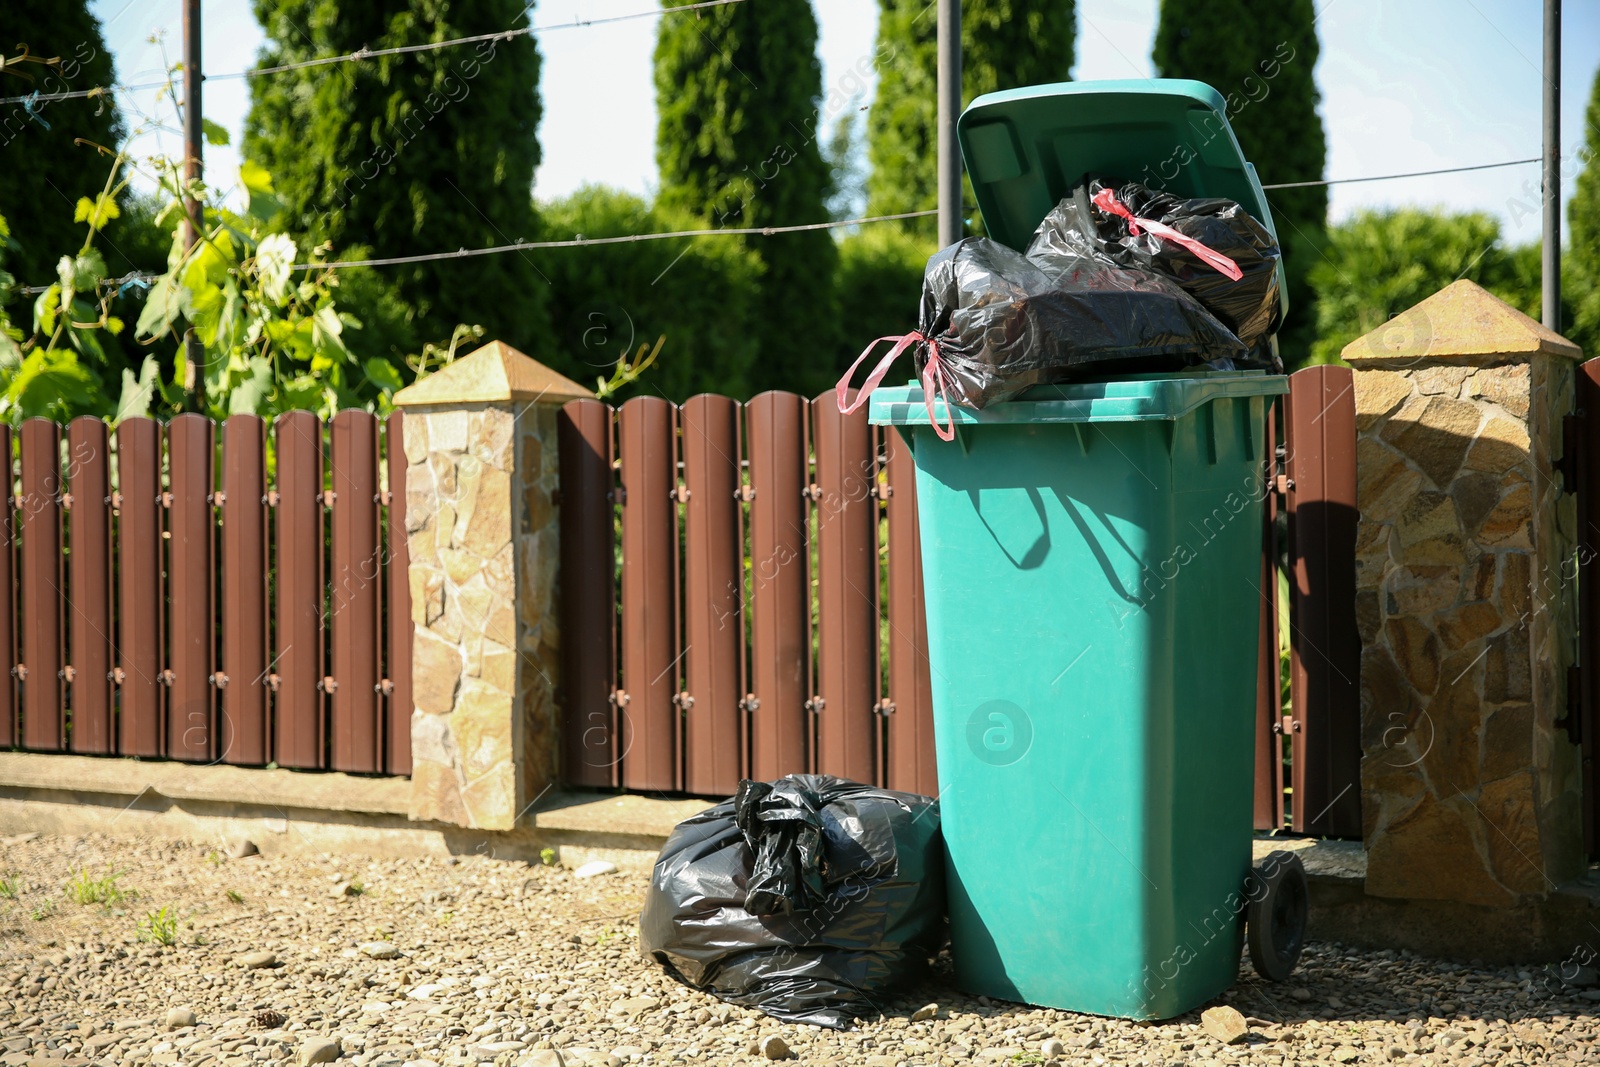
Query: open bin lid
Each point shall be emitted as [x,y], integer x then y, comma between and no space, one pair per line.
[1025,149]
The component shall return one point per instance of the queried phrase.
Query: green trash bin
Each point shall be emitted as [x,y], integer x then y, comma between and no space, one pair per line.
[1091,562]
[1092,569]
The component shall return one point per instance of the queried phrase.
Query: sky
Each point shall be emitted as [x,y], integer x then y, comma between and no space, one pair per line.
[1406,85]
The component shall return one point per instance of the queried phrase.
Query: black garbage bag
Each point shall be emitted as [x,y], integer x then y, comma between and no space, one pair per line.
[996,322]
[1088,222]
[810,898]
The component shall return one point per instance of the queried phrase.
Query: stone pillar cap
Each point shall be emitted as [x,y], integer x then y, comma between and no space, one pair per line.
[1461,323]
[494,373]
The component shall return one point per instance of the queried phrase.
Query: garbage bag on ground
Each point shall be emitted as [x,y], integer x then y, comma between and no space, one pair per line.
[1105,216]
[811,898]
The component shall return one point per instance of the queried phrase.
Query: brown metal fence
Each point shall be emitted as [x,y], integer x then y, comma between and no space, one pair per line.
[733,608]
[743,598]
[227,593]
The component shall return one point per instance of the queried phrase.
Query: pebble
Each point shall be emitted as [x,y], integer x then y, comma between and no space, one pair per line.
[774,1047]
[1052,1049]
[319,1050]
[1224,1023]
[256,960]
[594,868]
[178,1018]
[241,847]
[924,1013]
[381,950]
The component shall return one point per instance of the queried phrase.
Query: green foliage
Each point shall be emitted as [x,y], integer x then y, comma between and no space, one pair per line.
[547,856]
[83,888]
[738,90]
[235,896]
[409,154]
[1583,225]
[9,886]
[159,926]
[1380,263]
[701,294]
[45,137]
[880,289]
[1260,54]
[1004,44]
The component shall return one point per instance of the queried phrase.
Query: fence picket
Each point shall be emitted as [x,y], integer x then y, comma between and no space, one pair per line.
[191,643]
[8,605]
[910,757]
[398,626]
[1326,668]
[779,597]
[354,727]
[43,723]
[714,742]
[846,506]
[242,681]
[141,730]
[89,582]
[588,594]
[299,722]
[648,720]
[1268,794]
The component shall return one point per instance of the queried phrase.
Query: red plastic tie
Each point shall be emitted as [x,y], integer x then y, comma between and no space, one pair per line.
[934,376]
[1107,201]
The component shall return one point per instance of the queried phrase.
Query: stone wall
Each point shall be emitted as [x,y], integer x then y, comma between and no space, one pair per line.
[1466,616]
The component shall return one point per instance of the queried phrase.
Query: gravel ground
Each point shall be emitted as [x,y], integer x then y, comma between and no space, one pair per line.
[281,959]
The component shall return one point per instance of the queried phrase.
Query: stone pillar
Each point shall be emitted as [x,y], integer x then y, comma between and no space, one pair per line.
[480,442]
[1465,602]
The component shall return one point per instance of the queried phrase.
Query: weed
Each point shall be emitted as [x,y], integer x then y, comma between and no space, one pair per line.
[236,896]
[103,890]
[356,889]
[159,926]
[44,911]
[214,858]
[9,886]
[547,856]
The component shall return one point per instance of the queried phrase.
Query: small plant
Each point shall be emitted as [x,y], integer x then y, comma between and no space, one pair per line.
[159,926]
[9,886]
[446,918]
[103,890]
[44,911]
[356,889]
[547,856]
[236,896]
[214,858]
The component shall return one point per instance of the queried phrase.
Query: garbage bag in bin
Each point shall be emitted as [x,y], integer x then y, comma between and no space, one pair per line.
[1124,221]
[808,898]
[999,322]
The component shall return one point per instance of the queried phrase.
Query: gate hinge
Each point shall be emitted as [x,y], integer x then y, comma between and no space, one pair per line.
[1571,435]
[745,493]
[815,705]
[680,494]
[618,698]
[683,700]
[1572,721]
[750,703]
[885,707]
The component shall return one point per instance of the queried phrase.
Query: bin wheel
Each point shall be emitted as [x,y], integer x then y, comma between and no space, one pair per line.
[1275,921]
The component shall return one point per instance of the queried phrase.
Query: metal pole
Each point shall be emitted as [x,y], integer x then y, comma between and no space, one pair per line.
[1551,259]
[193,169]
[949,46]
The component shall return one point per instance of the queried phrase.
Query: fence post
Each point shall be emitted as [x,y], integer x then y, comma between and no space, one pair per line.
[483,539]
[1470,786]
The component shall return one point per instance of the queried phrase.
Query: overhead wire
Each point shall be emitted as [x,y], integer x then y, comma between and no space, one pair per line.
[754,231]
[29,99]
